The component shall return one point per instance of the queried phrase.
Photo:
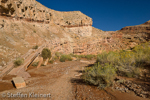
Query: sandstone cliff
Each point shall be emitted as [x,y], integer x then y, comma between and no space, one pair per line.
[26,23]
[31,10]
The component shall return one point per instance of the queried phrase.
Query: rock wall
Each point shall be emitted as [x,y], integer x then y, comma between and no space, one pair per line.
[26,23]
[33,11]
[81,30]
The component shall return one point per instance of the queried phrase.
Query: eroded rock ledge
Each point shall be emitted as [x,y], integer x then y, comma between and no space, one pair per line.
[32,10]
[26,23]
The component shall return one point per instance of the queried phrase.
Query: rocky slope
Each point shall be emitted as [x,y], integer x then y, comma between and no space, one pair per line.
[143,28]
[26,23]
[136,34]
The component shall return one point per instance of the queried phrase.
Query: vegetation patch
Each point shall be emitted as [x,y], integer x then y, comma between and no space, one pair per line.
[64,58]
[46,53]
[89,57]
[51,61]
[58,54]
[35,47]
[55,58]
[35,64]
[121,63]
[18,62]
[100,75]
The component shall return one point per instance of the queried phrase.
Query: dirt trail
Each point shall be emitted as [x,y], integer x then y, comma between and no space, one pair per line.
[54,79]
[62,88]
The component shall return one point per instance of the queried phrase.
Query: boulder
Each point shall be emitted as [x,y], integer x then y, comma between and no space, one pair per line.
[19,82]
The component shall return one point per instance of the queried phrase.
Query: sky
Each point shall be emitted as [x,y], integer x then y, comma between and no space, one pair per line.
[107,15]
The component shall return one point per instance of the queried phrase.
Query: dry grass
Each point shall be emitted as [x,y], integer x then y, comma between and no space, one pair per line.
[64,58]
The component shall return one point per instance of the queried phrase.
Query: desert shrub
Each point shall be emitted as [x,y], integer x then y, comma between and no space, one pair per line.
[35,64]
[42,65]
[58,54]
[89,57]
[81,56]
[127,62]
[51,61]
[113,57]
[122,63]
[77,56]
[55,58]
[35,47]
[102,58]
[133,72]
[18,62]
[46,53]
[100,75]
[72,55]
[142,54]
[63,58]
[126,59]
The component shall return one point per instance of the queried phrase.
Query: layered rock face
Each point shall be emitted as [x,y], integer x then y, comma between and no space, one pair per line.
[26,23]
[136,34]
[143,28]
[31,10]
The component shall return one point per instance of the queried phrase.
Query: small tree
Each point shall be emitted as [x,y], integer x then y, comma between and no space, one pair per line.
[46,53]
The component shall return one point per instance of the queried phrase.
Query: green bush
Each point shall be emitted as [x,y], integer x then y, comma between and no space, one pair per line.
[35,64]
[122,63]
[55,58]
[81,56]
[89,57]
[58,54]
[35,47]
[101,76]
[63,58]
[72,55]
[51,61]
[134,73]
[46,53]
[18,62]
[102,58]
[127,62]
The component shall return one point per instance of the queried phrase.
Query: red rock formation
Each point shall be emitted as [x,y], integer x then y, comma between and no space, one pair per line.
[26,23]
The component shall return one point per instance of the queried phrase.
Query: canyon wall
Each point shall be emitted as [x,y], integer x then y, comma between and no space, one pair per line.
[31,10]
[26,23]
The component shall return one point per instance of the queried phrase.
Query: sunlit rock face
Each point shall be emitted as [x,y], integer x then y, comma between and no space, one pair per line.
[31,10]
[81,31]
[26,23]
